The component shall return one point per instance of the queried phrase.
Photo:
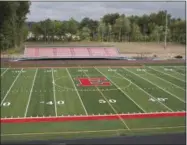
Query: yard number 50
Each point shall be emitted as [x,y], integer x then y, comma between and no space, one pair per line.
[6,104]
[110,100]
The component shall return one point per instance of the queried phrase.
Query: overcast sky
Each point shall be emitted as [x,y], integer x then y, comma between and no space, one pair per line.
[95,10]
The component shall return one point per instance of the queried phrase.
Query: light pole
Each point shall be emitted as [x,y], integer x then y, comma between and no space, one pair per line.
[165,42]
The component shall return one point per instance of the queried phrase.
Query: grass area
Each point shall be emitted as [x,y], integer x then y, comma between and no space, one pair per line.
[91,91]
[43,131]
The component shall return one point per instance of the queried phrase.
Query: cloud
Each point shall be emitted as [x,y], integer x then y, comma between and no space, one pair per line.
[95,10]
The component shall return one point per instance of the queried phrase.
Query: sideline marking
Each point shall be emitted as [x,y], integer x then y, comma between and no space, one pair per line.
[4,72]
[92,131]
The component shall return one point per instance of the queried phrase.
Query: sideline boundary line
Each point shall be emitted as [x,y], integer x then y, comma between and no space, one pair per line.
[93,131]
[4,72]
[49,67]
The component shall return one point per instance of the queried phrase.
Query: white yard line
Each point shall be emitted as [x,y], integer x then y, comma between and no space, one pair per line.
[92,131]
[11,86]
[175,71]
[121,91]
[146,92]
[113,109]
[166,74]
[180,68]
[77,92]
[157,86]
[4,72]
[110,105]
[180,73]
[165,81]
[26,110]
[54,93]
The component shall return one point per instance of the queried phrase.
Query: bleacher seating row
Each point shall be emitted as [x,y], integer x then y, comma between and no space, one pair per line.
[63,52]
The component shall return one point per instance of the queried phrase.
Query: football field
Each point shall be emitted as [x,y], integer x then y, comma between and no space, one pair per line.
[92,91]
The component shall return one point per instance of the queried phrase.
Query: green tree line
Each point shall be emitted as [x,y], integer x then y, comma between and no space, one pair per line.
[112,27]
[13,29]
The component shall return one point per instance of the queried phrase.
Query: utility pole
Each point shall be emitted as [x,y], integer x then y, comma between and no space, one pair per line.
[45,33]
[165,42]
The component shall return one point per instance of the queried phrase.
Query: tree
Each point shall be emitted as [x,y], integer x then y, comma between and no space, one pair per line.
[109,32]
[101,31]
[122,27]
[12,16]
[85,35]
[155,34]
[36,30]
[136,33]
[110,18]
[84,23]
[178,31]
[112,27]
[73,26]
[91,24]
[21,12]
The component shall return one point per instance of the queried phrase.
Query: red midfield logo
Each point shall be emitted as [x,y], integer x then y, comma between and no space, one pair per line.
[88,82]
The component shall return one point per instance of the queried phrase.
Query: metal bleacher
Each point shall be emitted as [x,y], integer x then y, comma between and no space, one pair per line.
[71,52]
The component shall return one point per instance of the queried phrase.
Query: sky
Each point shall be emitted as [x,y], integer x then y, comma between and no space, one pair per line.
[95,10]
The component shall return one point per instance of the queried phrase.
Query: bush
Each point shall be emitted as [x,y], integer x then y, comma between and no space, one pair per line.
[178,56]
[154,55]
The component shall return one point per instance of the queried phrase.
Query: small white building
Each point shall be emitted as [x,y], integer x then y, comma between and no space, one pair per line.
[30,35]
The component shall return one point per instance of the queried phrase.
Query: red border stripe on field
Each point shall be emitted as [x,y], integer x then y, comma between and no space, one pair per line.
[93,117]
